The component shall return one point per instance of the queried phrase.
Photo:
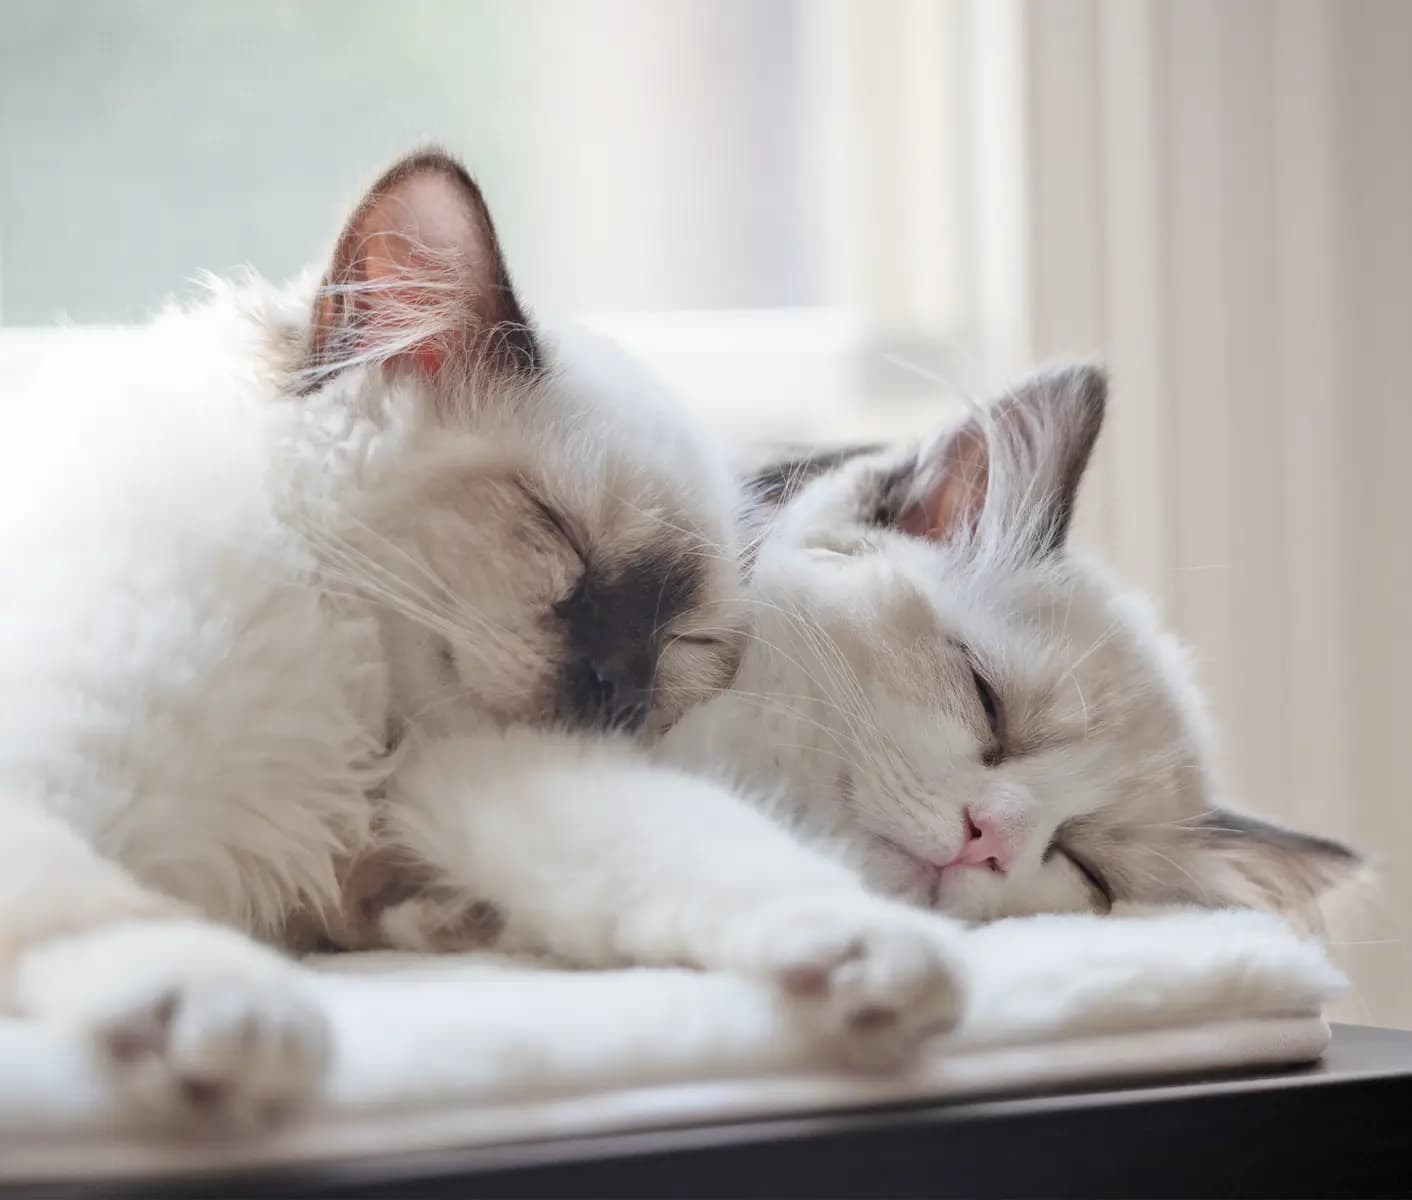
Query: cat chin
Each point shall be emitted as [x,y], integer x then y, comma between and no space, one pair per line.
[963,892]
[950,892]
[889,868]
[967,892]
[1015,898]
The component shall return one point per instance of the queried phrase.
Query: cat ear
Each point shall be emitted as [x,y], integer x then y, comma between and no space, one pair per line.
[1255,862]
[1009,475]
[781,473]
[417,281]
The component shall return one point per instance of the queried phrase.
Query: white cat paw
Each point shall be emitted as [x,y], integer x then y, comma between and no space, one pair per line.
[199,1026]
[875,977]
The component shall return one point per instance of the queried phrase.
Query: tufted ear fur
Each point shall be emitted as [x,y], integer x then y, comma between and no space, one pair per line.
[1255,862]
[418,282]
[1009,474]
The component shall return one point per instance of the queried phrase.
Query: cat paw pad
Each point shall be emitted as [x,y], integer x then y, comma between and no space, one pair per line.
[875,978]
[196,1025]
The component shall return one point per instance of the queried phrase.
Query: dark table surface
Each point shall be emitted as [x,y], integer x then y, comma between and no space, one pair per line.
[1342,1127]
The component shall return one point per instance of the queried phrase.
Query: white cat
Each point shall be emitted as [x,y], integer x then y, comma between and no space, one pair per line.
[302,582]
[937,694]
[975,714]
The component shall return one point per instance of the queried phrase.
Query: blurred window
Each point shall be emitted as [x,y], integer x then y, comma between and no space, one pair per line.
[769,199]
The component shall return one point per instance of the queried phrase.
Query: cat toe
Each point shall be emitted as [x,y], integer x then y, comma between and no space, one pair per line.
[219,1054]
[875,979]
[198,1027]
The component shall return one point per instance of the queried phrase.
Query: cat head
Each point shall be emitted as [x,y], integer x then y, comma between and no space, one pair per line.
[1014,732]
[548,538]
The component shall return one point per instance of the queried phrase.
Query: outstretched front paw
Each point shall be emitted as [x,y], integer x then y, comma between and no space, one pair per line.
[875,976]
[198,1025]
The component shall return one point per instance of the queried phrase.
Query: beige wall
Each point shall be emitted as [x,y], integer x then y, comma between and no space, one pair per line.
[1220,197]
[1216,197]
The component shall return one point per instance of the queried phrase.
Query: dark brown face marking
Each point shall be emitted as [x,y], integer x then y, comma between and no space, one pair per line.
[615,622]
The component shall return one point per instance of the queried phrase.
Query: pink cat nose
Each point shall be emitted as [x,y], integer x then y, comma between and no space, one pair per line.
[983,846]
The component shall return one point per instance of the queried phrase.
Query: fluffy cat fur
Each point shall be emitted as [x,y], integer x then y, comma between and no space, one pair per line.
[969,710]
[341,610]
[303,582]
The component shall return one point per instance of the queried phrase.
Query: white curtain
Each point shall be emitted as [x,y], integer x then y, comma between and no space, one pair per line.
[1215,197]
[1218,198]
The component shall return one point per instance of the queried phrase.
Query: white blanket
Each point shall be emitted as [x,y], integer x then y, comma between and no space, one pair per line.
[453,1051]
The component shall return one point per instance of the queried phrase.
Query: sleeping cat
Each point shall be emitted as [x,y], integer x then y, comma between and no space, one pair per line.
[937,693]
[303,581]
[970,711]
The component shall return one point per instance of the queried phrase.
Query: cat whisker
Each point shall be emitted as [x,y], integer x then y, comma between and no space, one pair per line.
[1203,890]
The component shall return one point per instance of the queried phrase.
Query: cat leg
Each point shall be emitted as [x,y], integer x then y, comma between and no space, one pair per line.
[195,1022]
[588,851]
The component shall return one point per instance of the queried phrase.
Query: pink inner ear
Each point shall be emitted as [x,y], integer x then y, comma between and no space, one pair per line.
[915,521]
[409,245]
[407,287]
[402,264]
[957,498]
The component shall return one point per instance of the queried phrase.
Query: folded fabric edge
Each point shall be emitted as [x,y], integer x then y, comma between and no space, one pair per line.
[1079,1062]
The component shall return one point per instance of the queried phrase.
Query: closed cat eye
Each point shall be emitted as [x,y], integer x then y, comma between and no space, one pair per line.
[697,639]
[1091,875]
[989,701]
[557,523]
[990,704]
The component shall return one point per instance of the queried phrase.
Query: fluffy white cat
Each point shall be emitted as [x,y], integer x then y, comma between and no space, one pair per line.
[937,694]
[970,710]
[300,583]
[341,612]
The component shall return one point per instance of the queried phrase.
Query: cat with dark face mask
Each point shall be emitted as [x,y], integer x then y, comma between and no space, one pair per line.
[345,611]
[938,702]
[937,694]
[338,611]
[971,711]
